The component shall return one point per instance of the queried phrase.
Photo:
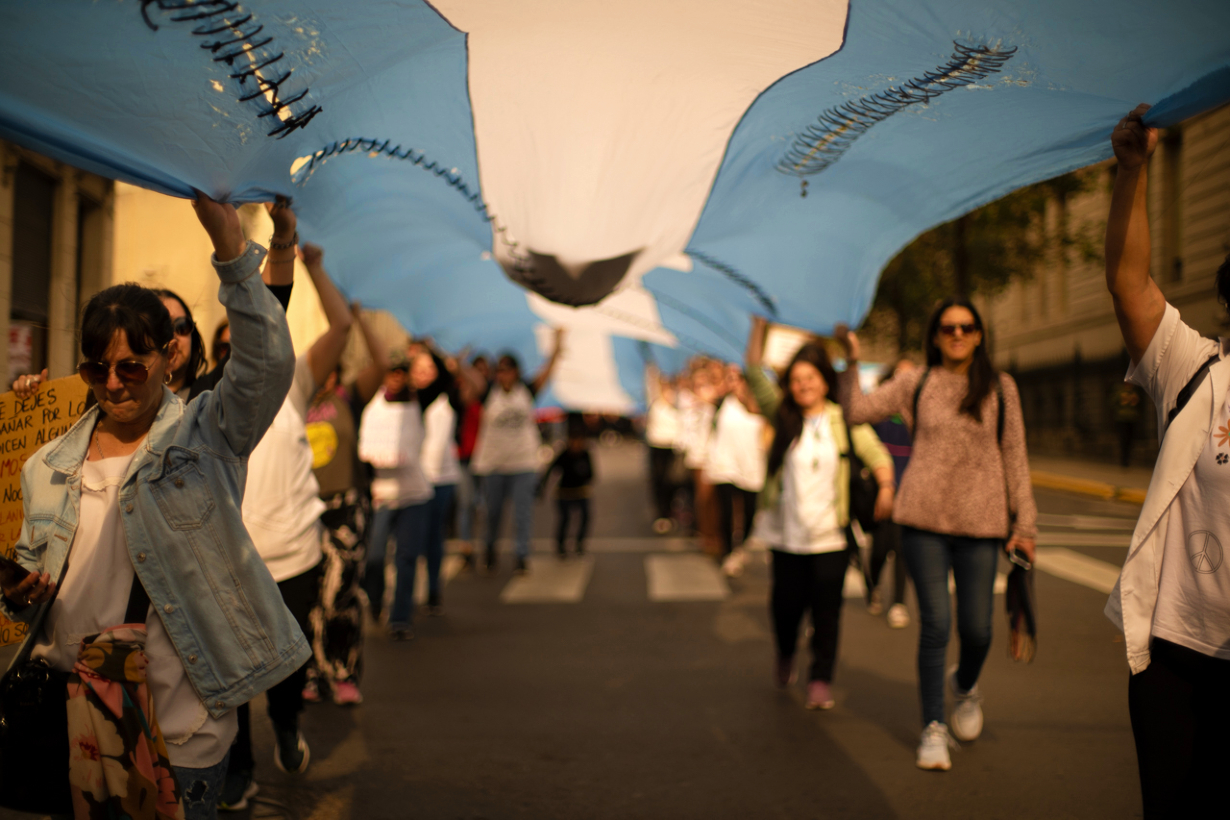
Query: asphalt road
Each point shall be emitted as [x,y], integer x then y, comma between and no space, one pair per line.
[643,689]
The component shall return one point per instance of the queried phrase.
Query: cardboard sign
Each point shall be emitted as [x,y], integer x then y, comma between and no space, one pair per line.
[25,426]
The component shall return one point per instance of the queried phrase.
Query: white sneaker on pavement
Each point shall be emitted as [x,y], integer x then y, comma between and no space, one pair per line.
[732,567]
[898,616]
[966,710]
[933,748]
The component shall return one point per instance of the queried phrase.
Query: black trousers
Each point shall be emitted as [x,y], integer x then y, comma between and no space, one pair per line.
[726,495]
[1181,722]
[887,539]
[802,583]
[285,699]
[566,507]
[663,490]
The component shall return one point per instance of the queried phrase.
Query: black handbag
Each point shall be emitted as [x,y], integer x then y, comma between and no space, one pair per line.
[34,752]
[863,490]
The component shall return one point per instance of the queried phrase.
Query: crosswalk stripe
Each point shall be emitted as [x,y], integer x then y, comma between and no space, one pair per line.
[551,582]
[1086,522]
[1078,568]
[1083,539]
[685,577]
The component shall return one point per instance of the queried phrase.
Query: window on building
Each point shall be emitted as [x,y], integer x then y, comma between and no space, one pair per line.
[33,212]
[1172,223]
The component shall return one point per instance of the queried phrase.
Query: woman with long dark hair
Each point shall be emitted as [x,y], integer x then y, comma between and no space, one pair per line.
[966,495]
[805,505]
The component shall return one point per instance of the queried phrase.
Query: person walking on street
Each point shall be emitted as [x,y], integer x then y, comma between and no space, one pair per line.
[886,540]
[440,465]
[661,437]
[966,496]
[506,453]
[736,466]
[805,506]
[333,433]
[576,470]
[1172,599]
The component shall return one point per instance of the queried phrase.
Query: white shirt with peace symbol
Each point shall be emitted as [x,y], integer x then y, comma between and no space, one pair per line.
[1193,605]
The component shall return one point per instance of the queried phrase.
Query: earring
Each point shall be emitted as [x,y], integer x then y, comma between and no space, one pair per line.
[167,379]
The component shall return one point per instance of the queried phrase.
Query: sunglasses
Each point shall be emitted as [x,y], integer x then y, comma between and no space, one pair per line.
[128,371]
[951,330]
[182,326]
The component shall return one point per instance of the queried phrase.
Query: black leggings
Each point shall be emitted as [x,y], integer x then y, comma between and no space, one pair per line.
[660,459]
[886,539]
[803,582]
[1181,722]
[726,494]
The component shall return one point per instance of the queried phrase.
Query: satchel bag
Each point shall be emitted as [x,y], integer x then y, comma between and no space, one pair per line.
[34,752]
[863,490]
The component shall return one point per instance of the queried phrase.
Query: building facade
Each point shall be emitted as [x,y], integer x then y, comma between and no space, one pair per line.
[56,232]
[1056,331]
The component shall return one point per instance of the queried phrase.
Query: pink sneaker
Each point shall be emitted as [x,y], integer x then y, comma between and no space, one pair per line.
[819,696]
[311,692]
[345,693]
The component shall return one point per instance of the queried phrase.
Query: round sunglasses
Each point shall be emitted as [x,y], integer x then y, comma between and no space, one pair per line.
[127,371]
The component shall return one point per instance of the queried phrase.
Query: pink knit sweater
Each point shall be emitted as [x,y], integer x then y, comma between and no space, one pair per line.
[959,481]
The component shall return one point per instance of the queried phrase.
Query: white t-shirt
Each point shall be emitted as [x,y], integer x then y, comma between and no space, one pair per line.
[1193,603]
[440,464]
[695,427]
[508,438]
[94,597]
[391,440]
[805,521]
[736,448]
[662,424]
[281,502]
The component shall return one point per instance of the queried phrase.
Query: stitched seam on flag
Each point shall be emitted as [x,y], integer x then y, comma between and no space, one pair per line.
[234,35]
[838,127]
[738,278]
[451,176]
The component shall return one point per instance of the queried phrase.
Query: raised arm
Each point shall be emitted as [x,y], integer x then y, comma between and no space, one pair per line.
[326,351]
[370,378]
[262,362]
[894,396]
[1139,304]
[753,355]
[544,372]
[279,270]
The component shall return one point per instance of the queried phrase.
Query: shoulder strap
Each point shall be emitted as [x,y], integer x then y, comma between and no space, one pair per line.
[138,602]
[1188,389]
[918,392]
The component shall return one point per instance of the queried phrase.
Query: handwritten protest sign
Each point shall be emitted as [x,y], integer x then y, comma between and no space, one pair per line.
[25,426]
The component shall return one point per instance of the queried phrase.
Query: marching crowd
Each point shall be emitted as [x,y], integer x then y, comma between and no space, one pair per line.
[203,535]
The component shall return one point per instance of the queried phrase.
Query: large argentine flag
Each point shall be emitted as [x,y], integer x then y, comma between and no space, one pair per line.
[634,170]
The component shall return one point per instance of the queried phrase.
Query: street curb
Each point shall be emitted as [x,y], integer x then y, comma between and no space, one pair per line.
[1085,486]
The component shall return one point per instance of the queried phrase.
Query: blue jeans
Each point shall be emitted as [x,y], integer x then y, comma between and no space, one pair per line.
[973,562]
[519,487]
[468,495]
[408,525]
[436,517]
[201,789]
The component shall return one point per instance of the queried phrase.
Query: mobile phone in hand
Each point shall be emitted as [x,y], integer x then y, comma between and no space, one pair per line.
[11,572]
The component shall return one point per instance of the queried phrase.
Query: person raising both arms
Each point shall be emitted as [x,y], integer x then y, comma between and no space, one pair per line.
[1172,600]
[966,496]
[138,504]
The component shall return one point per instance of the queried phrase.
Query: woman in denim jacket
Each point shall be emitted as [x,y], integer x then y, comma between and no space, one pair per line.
[168,512]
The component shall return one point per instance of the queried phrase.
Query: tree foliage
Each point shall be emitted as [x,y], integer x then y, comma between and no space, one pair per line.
[980,253]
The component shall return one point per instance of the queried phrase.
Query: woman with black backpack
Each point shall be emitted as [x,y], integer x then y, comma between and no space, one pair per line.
[967,490]
[805,505]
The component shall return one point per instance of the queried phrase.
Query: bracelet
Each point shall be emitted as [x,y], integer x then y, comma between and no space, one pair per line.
[278,246]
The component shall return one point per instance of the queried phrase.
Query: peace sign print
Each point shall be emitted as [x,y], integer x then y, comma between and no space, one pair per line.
[1205,551]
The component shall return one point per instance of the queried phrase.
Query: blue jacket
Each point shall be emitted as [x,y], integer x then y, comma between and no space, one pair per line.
[181,508]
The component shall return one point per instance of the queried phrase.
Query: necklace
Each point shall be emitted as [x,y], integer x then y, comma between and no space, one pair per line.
[98,444]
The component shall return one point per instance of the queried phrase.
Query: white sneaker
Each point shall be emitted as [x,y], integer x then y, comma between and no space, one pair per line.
[898,616]
[732,567]
[933,748]
[966,710]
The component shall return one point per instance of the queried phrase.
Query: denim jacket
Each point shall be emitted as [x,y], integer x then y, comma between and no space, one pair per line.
[180,504]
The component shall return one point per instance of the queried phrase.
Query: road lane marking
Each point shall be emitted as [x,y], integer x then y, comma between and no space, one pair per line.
[551,581]
[1078,568]
[684,577]
[546,546]
[1084,539]
[1086,522]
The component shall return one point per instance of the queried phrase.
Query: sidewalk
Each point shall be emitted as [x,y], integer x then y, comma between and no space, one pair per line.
[1091,478]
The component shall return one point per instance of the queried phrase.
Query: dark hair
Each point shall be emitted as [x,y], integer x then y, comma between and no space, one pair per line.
[788,425]
[196,356]
[136,310]
[511,361]
[223,325]
[1223,283]
[981,374]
